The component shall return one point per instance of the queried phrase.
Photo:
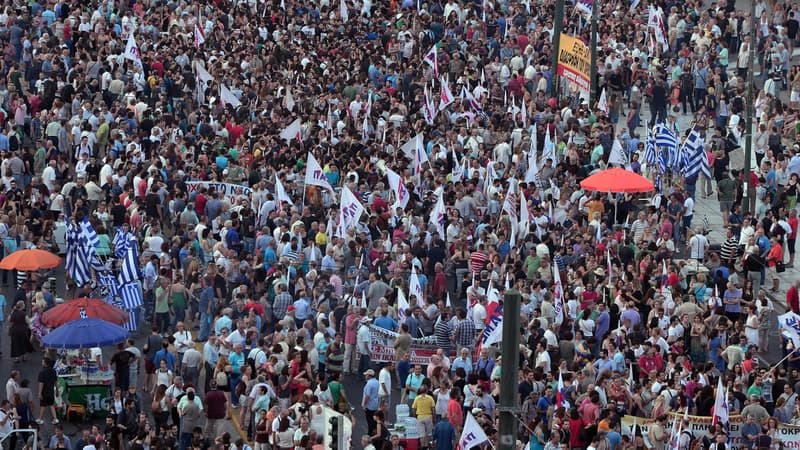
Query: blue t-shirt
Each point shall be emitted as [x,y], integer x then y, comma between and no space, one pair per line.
[236,360]
[165,355]
[444,434]
[386,322]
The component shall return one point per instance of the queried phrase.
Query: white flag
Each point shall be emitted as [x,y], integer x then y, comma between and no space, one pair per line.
[447,303]
[457,174]
[432,60]
[445,96]
[351,209]
[202,74]
[720,404]
[549,150]
[293,131]
[199,36]
[288,99]
[402,305]
[343,10]
[132,52]
[617,155]
[415,288]
[364,299]
[315,176]
[532,175]
[524,114]
[401,194]
[494,336]
[558,294]
[602,103]
[524,217]
[438,218]
[410,147]
[227,97]
[281,193]
[789,324]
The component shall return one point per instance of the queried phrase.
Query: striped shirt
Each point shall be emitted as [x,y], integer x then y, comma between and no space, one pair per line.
[478,260]
[443,332]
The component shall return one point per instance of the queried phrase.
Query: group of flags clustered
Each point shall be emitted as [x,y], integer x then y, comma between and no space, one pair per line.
[122,290]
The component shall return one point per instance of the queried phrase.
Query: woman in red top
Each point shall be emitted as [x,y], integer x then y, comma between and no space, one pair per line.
[774,256]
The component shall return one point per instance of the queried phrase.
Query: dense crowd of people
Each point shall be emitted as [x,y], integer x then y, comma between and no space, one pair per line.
[260,306]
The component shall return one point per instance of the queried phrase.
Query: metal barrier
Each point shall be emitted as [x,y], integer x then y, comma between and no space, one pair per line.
[14,434]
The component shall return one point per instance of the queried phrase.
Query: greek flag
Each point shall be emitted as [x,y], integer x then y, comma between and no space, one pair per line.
[667,141]
[77,264]
[90,241]
[126,250]
[650,153]
[131,295]
[133,316]
[695,157]
[110,282]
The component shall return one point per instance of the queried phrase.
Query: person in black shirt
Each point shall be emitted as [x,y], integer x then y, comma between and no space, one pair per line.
[47,390]
[117,213]
[122,363]
[153,202]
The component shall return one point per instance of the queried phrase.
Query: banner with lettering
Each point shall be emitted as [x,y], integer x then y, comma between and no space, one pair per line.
[232,191]
[789,435]
[574,61]
[382,347]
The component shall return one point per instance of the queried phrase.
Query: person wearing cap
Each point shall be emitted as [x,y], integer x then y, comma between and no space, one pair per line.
[363,343]
[370,399]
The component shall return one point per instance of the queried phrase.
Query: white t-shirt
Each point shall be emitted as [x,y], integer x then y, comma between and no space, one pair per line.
[688,204]
[384,383]
[479,316]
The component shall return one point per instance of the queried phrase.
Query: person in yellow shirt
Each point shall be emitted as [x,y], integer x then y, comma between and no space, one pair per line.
[423,407]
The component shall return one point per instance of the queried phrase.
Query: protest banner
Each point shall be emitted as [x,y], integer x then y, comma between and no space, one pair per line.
[574,61]
[699,425]
[382,347]
[230,190]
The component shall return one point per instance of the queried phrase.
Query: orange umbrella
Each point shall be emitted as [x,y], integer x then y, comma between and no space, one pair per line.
[617,180]
[30,260]
[94,308]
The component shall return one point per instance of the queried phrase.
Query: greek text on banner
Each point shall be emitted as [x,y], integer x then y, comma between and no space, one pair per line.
[789,435]
[574,60]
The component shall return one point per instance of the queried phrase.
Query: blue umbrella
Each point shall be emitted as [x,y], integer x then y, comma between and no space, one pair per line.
[85,333]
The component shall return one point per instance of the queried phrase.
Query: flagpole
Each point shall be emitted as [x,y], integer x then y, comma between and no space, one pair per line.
[784,359]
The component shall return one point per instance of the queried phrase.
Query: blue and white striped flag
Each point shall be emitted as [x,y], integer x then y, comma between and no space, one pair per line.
[110,282]
[668,141]
[694,153]
[133,317]
[128,253]
[77,264]
[650,154]
[131,295]
[133,320]
[89,242]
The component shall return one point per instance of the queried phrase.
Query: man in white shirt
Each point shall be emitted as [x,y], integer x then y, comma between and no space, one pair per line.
[479,316]
[183,340]
[363,342]
[385,385]
[49,175]
[12,385]
[698,245]
[688,212]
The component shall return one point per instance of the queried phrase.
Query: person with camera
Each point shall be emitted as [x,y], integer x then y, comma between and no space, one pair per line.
[8,421]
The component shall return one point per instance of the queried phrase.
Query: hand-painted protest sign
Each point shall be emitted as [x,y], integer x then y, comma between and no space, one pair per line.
[231,191]
[789,435]
[382,347]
